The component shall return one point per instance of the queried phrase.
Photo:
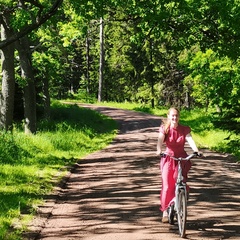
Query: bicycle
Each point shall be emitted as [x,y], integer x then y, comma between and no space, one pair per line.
[179,205]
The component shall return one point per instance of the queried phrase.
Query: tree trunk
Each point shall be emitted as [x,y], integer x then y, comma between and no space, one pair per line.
[46,98]
[187,100]
[29,92]
[101,62]
[8,78]
[88,66]
[151,74]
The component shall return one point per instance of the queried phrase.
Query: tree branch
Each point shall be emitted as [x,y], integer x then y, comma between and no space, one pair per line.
[29,28]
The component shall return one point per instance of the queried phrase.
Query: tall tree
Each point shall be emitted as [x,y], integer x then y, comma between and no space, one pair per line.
[8,77]
[31,15]
[29,92]
[101,60]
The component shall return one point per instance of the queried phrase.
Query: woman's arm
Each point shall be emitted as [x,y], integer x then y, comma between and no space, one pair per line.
[191,142]
[160,141]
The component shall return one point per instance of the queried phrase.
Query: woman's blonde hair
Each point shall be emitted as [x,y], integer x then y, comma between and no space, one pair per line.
[167,123]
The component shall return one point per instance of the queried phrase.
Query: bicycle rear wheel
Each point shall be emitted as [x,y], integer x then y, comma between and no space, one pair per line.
[182,213]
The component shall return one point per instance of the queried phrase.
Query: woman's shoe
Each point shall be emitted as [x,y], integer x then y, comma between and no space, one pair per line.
[165,217]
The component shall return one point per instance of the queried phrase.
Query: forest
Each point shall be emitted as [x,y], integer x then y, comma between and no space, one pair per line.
[161,53]
[152,53]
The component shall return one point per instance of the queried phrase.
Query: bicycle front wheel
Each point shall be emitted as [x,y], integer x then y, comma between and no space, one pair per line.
[182,213]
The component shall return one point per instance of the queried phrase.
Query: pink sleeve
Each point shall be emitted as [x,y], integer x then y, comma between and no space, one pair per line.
[161,129]
[187,130]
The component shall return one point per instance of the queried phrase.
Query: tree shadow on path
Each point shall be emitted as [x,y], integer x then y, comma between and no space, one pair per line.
[114,193]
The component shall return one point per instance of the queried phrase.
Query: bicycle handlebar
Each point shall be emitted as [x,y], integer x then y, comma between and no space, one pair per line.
[195,154]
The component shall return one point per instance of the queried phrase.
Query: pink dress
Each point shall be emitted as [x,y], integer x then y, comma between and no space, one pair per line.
[175,141]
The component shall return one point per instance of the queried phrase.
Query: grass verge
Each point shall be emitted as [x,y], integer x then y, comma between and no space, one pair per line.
[29,163]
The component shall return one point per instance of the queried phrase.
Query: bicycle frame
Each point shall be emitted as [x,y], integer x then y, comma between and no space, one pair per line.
[179,206]
[179,185]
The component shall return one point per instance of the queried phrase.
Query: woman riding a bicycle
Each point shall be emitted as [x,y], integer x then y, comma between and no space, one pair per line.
[174,135]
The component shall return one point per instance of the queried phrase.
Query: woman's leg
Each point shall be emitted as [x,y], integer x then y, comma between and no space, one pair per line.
[168,183]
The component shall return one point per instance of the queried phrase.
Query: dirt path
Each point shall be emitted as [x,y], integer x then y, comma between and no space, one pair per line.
[114,194]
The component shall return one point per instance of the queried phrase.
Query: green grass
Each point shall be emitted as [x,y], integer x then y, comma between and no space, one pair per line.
[29,163]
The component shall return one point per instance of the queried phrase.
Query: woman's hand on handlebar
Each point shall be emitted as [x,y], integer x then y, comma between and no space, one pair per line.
[198,154]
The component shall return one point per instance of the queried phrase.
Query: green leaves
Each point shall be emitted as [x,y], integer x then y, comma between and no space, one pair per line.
[143,39]
[214,79]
